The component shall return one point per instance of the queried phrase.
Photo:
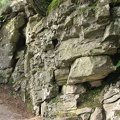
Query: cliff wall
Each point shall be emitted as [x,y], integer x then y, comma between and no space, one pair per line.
[63,65]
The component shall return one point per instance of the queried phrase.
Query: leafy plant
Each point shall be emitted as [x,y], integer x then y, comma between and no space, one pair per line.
[118,64]
[53,5]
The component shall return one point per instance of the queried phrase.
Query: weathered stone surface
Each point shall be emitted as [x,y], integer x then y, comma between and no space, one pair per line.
[9,35]
[61,76]
[83,113]
[18,74]
[97,114]
[90,68]
[73,89]
[112,110]
[95,83]
[69,50]
[59,106]
[112,31]
[29,11]
[17,6]
[6,55]
[111,101]
[103,13]
[45,61]
[113,90]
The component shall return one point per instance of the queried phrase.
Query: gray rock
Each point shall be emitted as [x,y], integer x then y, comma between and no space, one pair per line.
[112,99]
[102,13]
[97,114]
[69,50]
[113,90]
[73,89]
[61,76]
[112,110]
[90,68]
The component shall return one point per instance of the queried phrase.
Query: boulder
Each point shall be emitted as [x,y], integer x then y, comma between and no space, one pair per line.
[90,69]
[74,48]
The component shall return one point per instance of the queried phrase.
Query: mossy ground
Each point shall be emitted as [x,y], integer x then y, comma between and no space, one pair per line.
[90,99]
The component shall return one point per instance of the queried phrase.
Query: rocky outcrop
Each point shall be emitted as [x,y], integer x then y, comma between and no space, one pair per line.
[61,64]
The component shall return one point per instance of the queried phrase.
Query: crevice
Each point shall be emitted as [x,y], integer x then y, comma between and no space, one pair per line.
[112,101]
[110,97]
[103,113]
[60,89]
[54,42]
[20,45]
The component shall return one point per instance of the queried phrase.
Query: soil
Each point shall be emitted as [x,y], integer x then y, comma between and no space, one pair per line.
[13,108]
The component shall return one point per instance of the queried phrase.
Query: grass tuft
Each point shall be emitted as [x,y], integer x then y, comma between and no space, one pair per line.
[53,5]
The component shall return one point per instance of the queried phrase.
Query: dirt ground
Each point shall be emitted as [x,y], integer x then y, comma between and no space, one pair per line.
[12,108]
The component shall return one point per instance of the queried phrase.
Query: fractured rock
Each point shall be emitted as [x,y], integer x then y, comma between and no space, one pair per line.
[97,114]
[90,69]
[73,89]
[61,76]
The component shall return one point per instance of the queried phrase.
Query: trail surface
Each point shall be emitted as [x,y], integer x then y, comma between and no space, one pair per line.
[12,108]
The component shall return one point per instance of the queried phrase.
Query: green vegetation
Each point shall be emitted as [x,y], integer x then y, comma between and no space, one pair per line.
[53,5]
[66,114]
[118,64]
[91,98]
[55,100]
[28,101]
[117,112]
[3,4]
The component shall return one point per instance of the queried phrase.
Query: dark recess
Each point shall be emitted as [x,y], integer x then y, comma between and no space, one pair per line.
[60,89]
[54,42]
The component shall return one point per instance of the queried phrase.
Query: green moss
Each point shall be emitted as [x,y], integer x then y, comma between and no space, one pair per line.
[53,5]
[117,112]
[28,101]
[10,82]
[90,99]
[30,105]
[66,114]
[55,100]
[4,4]
[40,70]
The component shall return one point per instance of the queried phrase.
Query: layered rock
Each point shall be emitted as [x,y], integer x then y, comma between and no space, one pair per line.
[60,61]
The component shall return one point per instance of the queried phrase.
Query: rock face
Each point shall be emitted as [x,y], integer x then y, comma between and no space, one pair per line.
[61,65]
[89,69]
